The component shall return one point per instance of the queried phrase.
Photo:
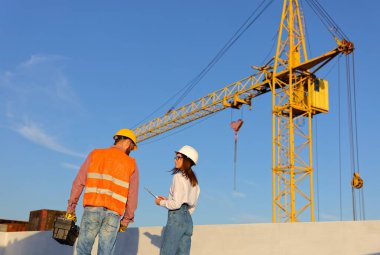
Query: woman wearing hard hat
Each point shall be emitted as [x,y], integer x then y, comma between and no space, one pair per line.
[181,203]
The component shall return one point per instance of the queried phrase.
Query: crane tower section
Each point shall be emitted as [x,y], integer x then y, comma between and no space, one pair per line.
[292,163]
[297,95]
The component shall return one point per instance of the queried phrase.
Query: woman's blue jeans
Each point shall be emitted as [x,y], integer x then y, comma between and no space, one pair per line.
[176,239]
[98,221]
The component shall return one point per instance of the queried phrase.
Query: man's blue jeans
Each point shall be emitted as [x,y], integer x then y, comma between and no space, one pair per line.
[98,221]
[176,239]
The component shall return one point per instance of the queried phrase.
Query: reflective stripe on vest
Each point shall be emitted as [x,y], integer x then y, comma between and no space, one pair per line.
[108,178]
[106,192]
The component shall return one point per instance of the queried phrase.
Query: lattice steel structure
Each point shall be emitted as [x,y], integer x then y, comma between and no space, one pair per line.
[297,95]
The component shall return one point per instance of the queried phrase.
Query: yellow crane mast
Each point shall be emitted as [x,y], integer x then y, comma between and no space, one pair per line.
[297,95]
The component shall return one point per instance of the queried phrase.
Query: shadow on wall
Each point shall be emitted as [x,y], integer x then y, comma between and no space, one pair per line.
[127,243]
[155,239]
[35,243]
[42,243]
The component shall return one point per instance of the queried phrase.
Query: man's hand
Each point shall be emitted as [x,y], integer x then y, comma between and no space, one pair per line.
[71,216]
[122,228]
[159,198]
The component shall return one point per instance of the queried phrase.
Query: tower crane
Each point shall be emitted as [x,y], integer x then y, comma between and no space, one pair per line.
[297,95]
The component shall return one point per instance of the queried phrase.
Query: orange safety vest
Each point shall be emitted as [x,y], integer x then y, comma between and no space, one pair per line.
[108,176]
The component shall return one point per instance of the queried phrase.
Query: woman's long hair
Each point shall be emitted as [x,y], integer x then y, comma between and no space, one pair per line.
[187,171]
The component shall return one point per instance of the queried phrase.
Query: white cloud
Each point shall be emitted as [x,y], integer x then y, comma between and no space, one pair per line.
[8,110]
[216,197]
[248,218]
[36,94]
[35,134]
[39,82]
[70,166]
[251,183]
[329,217]
[37,59]
[238,194]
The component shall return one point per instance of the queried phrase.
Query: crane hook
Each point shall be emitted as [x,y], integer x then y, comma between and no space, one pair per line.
[236,125]
[357,182]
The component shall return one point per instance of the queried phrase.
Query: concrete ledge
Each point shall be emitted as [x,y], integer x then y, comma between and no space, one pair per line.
[356,238]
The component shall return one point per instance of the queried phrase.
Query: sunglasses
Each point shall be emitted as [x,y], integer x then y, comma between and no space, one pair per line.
[177,157]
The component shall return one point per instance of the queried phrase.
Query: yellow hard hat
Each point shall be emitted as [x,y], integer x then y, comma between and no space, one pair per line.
[127,133]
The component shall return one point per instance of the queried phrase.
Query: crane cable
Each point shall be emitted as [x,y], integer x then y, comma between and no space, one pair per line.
[349,110]
[305,29]
[357,182]
[316,163]
[356,136]
[316,144]
[340,143]
[315,126]
[327,20]
[221,52]
[339,137]
[190,85]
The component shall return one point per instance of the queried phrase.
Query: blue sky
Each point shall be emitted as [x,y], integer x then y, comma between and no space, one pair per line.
[73,72]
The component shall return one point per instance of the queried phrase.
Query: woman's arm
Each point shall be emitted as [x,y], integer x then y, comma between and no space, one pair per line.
[177,193]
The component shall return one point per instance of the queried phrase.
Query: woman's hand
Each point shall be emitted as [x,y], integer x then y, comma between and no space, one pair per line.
[159,198]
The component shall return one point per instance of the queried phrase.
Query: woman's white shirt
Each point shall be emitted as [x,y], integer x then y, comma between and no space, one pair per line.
[181,192]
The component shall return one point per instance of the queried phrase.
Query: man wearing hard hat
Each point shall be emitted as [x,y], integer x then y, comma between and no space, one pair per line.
[110,181]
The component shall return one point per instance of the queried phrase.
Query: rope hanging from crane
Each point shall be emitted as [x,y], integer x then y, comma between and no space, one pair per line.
[236,125]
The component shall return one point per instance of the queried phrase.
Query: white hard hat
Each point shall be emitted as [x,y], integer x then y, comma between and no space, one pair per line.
[189,152]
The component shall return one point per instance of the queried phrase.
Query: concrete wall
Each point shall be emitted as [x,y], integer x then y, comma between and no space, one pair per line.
[356,238]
